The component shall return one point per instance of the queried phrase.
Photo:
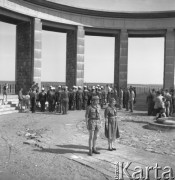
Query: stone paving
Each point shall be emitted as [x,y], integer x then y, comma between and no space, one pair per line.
[67,136]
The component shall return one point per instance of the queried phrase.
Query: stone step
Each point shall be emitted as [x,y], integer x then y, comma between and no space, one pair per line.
[141,108]
[7,109]
[10,96]
[8,112]
[5,106]
[12,102]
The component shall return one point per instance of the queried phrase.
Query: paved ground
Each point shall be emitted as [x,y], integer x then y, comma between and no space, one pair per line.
[49,146]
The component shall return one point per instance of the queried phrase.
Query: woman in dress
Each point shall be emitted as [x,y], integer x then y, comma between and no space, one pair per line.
[112,131]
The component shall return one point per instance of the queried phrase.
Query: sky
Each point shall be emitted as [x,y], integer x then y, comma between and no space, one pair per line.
[145,57]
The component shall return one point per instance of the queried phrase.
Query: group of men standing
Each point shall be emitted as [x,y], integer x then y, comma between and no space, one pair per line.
[61,99]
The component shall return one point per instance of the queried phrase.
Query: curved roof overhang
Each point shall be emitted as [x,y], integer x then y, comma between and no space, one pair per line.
[100,13]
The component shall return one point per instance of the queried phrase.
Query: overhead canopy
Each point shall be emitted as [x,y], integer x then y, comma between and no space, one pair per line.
[121,5]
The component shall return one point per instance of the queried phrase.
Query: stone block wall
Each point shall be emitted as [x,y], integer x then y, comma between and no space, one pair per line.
[24,64]
[28,54]
[75,57]
[37,50]
[121,59]
[71,65]
[169,59]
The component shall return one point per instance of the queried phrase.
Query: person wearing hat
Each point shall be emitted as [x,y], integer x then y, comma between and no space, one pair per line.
[42,99]
[85,97]
[99,94]
[111,126]
[74,92]
[65,100]
[93,93]
[93,122]
[51,99]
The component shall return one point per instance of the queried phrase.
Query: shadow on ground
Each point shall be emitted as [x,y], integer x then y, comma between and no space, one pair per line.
[133,121]
[66,149]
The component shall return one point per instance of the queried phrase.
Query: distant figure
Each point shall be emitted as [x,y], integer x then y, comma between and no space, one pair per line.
[65,100]
[150,103]
[74,92]
[42,99]
[120,98]
[5,92]
[51,98]
[79,98]
[85,97]
[168,102]
[159,105]
[131,99]
[27,101]
[104,96]
[20,97]
[127,95]
[33,100]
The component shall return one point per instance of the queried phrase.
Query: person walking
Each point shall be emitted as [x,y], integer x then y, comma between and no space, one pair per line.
[111,126]
[93,122]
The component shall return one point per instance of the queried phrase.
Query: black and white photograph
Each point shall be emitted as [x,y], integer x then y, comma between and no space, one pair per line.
[87,90]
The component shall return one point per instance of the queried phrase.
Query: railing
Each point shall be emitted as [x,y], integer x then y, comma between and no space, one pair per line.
[140,88]
[145,88]
[11,86]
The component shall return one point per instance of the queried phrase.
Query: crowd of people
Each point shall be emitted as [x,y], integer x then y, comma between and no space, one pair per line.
[61,99]
[161,103]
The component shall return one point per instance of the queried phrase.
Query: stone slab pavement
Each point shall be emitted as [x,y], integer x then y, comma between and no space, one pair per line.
[106,162]
[67,136]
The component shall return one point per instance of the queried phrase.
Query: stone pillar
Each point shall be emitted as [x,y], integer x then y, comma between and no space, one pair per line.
[121,59]
[24,56]
[37,38]
[28,54]
[75,57]
[169,65]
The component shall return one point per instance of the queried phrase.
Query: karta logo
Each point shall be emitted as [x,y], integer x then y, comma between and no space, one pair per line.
[124,171]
